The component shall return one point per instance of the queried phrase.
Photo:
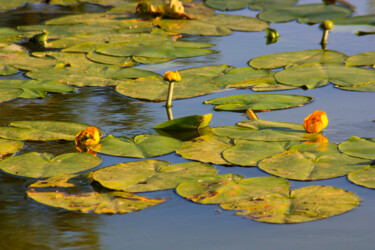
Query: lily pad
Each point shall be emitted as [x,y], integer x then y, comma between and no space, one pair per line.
[150,175]
[74,193]
[249,153]
[6,70]
[305,13]
[363,59]
[230,188]
[227,5]
[300,205]
[359,147]
[262,102]
[316,75]
[206,148]
[312,161]
[123,61]
[364,177]
[65,58]
[22,60]
[9,94]
[41,130]
[257,5]
[270,4]
[192,122]
[9,147]
[44,165]
[92,75]
[293,58]
[34,88]
[356,20]
[236,22]
[142,146]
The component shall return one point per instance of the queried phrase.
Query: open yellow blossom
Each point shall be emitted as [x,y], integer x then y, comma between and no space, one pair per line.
[87,138]
[315,122]
[172,76]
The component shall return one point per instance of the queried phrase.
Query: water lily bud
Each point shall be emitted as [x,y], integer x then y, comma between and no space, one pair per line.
[172,76]
[326,25]
[315,122]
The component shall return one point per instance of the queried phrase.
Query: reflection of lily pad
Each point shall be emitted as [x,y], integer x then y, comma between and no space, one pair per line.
[305,13]
[261,102]
[266,131]
[312,161]
[74,193]
[294,58]
[316,75]
[230,188]
[300,205]
[359,147]
[248,153]
[192,122]
[206,148]
[364,177]
[9,147]
[41,130]
[150,175]
[43,165]
[363,59]
[142,146]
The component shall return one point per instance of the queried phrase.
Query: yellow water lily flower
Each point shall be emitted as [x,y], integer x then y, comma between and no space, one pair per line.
[315,122]
[172,76]
[87,138]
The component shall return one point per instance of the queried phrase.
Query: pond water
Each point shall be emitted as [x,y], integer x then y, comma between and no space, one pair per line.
[178,223]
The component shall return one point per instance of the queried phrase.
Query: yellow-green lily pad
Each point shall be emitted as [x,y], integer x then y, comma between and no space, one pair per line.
[9,147]
[364,177]
[359,147]
[299,205]
[192,122]
[362,59]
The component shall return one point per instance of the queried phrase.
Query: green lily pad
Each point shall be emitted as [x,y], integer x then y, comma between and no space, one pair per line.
[191,122]
[123,61]
[300,205]
[43,165]
[9,5]
[91,75]
[35,88]
[74,193]
[227,5]
[363,59]
[142,146]
[6,70]
[249,153]
[206,148]
[22,60]
[9,94]
[257,5]
[9,147]
[364,177]
[312,161]
[65,58]
[236,22]
[159,49]
[355,20]
[150,175]
[9,35]
[359,147]
[316,75]
[41,130]
[150,60]
[270,4]
[230,188]
[197,10]
[305,13]
[260,102]
[293,58]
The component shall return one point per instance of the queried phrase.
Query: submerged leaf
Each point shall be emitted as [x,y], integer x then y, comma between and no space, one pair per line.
[301,205]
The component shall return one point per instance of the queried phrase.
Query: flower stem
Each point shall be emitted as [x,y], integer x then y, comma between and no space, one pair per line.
[170,94]
[169,113]
[324,37]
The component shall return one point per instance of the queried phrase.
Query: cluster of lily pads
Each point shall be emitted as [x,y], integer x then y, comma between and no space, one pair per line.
[101,49]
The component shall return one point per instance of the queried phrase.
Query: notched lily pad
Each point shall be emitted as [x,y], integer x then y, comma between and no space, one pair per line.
[230,188]
[364,177]
[192,122]
[300,205]
[359,147]
[150,175]
[44,165]
[312,161]
[74,193]
[142,146]
[261,102]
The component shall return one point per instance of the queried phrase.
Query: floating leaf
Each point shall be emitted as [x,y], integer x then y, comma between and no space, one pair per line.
[312,161]
[43,165]
[74,193]
[6,70]
[41,130]
[316,75]
[123,61]
[150,60]
[9,147]
[359,147]
[364,177]
[92,75]
[305,13]
[301,205]
[191,122]
[226,5]
[259,102]
[150,175]
[270,4]
[363,59]
[248,153]
[206,148]
[355,20]
[142,146]
[236,22]
[65,58]
[22,60]
[230,188]
[261,130]
[293,58]
[198,10]
[257,5]
[9,94]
